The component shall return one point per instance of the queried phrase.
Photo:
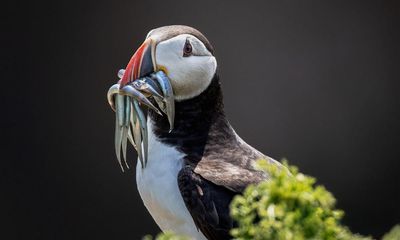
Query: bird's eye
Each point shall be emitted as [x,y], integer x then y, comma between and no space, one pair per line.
[187,49]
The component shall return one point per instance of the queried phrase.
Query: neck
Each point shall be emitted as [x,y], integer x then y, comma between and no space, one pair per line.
[194,120]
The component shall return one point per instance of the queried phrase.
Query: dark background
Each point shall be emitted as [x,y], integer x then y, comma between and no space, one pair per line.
[316,82]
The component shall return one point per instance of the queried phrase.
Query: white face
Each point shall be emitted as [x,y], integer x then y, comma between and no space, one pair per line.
[188,64]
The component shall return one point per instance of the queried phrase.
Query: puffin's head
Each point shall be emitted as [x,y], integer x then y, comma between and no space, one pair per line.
[182,52]
[174,63]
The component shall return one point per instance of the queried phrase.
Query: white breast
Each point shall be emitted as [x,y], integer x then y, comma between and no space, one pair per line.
[158,188]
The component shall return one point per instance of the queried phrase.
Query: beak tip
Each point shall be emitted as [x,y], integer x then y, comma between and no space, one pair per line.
[122,84]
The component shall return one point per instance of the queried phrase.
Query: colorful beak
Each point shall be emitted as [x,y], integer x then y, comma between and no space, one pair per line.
[140,65]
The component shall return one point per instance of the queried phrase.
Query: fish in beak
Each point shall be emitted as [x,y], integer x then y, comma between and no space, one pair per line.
[139,82]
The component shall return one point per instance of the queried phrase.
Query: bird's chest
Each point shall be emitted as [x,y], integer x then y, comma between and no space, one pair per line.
[158,188]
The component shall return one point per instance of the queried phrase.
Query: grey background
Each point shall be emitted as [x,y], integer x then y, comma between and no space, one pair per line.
[316,82]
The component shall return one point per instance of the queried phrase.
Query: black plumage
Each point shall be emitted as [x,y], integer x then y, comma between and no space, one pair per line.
[207,203]
[217,164]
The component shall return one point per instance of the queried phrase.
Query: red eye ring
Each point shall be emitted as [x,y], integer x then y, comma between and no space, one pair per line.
[187,49]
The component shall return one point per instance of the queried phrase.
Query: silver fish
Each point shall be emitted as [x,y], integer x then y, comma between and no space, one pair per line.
[121,73]
[131,120]
[137,95]
[168,96]
[143,85]
[143,130]
[125,128]
[114,89]
[119,124]
[137,136]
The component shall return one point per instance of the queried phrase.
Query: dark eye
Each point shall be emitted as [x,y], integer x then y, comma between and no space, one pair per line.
[187,49]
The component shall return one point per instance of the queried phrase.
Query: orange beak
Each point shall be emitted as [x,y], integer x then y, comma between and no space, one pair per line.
[140,65]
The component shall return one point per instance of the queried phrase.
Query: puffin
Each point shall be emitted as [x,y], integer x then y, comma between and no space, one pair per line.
[195,168]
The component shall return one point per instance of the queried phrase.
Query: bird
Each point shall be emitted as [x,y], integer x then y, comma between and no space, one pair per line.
[195,168]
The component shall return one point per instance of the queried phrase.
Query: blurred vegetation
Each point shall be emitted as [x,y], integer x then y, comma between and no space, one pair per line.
[288,207]
[394,234]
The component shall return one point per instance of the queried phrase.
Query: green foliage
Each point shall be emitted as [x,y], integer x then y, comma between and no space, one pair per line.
[394,234]
[288,207]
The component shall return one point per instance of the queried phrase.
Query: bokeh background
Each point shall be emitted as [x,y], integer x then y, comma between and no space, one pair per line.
[316,82]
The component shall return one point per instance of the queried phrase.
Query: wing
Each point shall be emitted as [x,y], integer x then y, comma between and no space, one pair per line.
[231,165]
[207,203]
[228,175]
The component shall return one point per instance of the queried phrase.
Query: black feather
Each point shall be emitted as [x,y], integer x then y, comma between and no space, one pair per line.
[209,206]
